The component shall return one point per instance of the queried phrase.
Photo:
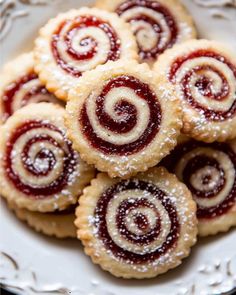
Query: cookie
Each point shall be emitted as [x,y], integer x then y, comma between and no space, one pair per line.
[58,224]
[19,86]
[122,118]
[137,228]
[204,75]
[209,171]
[39,170]
[157,24]
[78,41]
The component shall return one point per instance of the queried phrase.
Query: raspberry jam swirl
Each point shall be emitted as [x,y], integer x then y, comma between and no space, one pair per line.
[123,118]
[208,170]
[208,84]
[25,90]
[153,25]
[136,221]
[82,43]
[39,160]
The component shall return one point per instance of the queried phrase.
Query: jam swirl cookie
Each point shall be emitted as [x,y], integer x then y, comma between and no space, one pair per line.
[204,75]
[156,24]
[19,86]
[137,228]
[121,118]
[78,41]
[209,171]
[58,224]
[39,170]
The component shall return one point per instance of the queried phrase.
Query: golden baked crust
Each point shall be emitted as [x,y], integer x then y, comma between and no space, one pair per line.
[209,171]
[124,103]
[51,224]
[19,81]
[171,17]
[84,56]
[117,223]
[39,170]
[204,75]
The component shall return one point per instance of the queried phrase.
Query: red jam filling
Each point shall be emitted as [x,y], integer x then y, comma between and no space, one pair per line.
[156,27]
[13,88]
[34,191]
[200,162]
[129,120]
[141,222]
[124,208]
[74,26]
[204,84]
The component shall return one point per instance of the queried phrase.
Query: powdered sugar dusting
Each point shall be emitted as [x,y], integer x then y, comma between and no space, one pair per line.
[142,219]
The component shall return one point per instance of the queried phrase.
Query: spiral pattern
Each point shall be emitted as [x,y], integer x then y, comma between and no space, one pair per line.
[208,170]
[153,25]
[39,161]
[25,90]
[123,118]
[82,43]
[136,221]
[208,84]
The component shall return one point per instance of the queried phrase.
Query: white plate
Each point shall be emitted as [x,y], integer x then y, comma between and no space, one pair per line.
[45,264]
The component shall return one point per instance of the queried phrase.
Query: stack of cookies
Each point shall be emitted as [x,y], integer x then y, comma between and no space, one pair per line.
[125,89]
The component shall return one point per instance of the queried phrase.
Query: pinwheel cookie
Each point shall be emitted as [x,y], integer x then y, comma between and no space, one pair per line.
[39,170]
[58,224]
[209,171]
[19,86]
[137,228]
[156,24]
[77,41]
[204,75]
[122,118]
